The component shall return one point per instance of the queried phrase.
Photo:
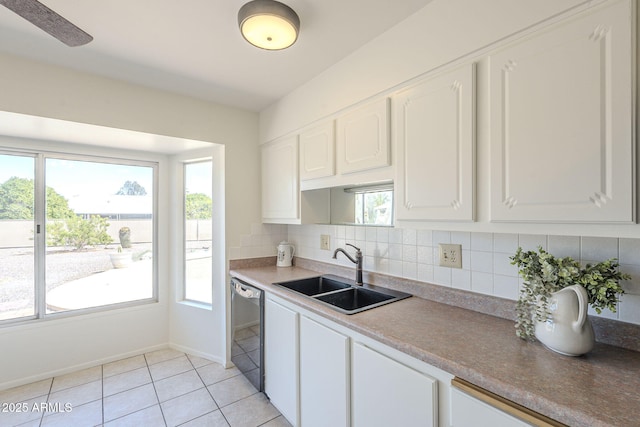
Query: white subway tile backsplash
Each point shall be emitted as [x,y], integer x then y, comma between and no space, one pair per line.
[382,235]
[564,246]
[482,242]
[505,243]
[505,287]
[482,282]
[629,251]
[461,279]
[482,261]
[441,237]
[531,242]
[424,238]
[461,238]
[425,255]
[409,236]
[414,254]
[598,248]
[409,253]
[395,235]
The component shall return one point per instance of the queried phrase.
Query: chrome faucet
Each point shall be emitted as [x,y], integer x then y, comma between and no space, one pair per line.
[357,261]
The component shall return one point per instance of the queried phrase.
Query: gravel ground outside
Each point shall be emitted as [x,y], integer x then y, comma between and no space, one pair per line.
[62,266]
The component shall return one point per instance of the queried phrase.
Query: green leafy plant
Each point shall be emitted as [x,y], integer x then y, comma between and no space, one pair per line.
[78,232]
[545,274]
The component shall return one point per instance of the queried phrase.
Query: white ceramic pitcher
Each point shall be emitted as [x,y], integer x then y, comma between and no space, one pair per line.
[569,331]
[285,254]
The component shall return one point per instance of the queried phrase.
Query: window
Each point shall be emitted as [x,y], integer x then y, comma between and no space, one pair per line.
[198,229]
[374,207]
[78,233]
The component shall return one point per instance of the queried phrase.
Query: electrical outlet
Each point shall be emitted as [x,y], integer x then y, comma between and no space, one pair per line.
[450,255]
[324,242]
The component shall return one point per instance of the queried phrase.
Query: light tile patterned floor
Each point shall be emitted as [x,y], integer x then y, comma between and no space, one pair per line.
[161,388]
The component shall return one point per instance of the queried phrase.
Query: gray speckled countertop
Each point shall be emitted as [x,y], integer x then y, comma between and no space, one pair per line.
[601,388]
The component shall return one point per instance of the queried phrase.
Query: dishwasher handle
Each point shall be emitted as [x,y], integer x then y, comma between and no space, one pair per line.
[244,290]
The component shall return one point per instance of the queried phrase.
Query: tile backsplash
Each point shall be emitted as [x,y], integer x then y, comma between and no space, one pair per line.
[486,267]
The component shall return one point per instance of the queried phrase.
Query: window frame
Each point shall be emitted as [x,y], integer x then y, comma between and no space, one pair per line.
[74,153]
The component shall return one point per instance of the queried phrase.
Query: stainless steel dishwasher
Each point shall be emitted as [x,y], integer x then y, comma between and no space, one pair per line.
[247,331]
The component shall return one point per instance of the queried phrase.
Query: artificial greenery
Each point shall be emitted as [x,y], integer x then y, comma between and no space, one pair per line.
[545,274]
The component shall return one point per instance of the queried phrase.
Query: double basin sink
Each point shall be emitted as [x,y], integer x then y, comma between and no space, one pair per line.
[342,294]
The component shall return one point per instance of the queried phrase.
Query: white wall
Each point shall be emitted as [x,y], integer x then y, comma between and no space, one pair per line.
[33,351]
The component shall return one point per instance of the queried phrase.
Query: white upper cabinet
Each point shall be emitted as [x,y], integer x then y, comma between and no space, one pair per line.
[280,193]
[435,139]
[363,141]
[317,151]
[561,122]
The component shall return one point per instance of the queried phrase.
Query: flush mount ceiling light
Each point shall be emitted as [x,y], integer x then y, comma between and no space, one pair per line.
[268,24]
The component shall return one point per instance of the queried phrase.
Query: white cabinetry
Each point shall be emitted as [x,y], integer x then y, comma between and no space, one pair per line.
[282,201]
[562,124]
[317,151]
[280,193]
[363,138]
[472,406]
[388,393]
[324,375]
[435,139]
[281,358]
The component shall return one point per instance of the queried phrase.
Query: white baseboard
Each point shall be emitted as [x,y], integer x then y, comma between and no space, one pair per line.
[67,370]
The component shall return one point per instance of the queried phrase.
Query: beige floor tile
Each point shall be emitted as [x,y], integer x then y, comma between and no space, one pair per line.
[151,417]
[187,407]
[126,381]
[124,365]
[278,422]
[25,392]
[76,378]
[253,411]
[169,368]
[178,385]
[243,334]
[249,344]
[22,412]
[162,355]
[87,415]
[129,401]
[198,362]
[212,419]
[231,390]
[215,372]
[78,395]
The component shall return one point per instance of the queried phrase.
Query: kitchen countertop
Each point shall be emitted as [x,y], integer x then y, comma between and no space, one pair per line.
[601,388]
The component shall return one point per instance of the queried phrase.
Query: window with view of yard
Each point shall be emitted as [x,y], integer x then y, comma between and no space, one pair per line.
[198,208]
[78,233]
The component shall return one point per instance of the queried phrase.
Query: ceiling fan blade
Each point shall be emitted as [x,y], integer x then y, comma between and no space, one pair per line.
[49,21]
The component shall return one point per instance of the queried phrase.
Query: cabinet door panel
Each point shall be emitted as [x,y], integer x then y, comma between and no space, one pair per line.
[317,152]
[280,195]
[467,411]
[324,376]
[281,359]
[363,138]
[561,123]
[388,393]
[435,139]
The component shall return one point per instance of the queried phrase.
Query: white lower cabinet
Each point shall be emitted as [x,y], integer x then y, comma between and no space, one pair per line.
[467,411]
[324,375]
[388,393]
[281,358]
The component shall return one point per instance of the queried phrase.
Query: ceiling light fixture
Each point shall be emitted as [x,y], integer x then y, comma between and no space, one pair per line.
[268,24]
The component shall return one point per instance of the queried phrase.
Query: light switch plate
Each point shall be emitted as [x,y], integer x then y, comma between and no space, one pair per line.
[324,242]
[450,255]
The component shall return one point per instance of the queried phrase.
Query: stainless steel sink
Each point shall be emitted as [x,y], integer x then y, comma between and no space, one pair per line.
[343,295]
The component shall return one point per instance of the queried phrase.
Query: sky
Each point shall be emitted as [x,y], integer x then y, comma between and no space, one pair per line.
[73,178]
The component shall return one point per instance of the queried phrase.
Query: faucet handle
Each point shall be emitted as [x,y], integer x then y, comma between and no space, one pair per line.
[353,246]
